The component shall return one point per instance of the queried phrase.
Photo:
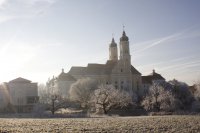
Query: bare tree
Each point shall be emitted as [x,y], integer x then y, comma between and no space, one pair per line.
[82,90]
[50,97]
[107,97]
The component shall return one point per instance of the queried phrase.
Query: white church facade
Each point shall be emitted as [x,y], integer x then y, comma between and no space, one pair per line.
[116,71]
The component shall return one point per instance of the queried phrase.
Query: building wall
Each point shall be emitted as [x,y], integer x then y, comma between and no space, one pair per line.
[137,82]
[4,97]
[101,79]
[20,91]
[121,76]
[23,96]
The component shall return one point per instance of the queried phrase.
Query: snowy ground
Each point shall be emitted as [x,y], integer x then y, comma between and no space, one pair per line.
[180,124]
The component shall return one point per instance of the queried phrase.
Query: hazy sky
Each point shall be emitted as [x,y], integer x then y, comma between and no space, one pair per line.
[40,37]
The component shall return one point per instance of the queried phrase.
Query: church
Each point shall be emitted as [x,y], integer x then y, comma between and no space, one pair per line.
[117,71]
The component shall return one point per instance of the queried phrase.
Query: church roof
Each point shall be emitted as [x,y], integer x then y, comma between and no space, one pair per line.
[153,76]
[66,76]
[98,69]
[20,80]
[146,79]
[77,70]
[134,70]
[93,69]
[156,76]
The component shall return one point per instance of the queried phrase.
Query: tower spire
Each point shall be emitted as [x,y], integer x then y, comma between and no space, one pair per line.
[113,41]
[124,37]
[124,48]
[113,54]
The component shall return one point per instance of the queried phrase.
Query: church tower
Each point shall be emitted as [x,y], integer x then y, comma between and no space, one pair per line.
[124,49]
[113,53]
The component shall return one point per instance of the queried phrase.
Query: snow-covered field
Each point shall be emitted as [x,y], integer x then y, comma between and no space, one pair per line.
[180,124]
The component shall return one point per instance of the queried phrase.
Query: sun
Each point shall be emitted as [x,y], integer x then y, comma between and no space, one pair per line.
[13,58]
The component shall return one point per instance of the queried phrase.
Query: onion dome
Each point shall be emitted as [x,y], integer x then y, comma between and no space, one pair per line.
[113,43]
[124,37]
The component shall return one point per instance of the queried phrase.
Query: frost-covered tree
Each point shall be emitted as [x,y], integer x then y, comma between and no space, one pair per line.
[41,89]
[168,101]
[196,103]
[106,97]
[41,105]
[182,94]
[159,98]
[197,91]
[43,93]
[81,91]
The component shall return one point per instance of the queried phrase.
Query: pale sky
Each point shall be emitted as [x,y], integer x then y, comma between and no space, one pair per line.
[40,37]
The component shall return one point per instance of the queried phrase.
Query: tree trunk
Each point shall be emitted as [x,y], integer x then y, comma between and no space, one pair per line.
[157,104]
[53,107]
[104,109]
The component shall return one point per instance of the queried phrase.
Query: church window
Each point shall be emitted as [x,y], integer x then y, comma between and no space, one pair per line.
[106,82]
[121,70]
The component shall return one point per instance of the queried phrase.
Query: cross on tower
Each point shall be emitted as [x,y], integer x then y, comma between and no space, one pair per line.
[123,27]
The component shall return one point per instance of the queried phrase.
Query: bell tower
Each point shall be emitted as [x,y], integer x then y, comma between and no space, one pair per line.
[124,49]
[113,53]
